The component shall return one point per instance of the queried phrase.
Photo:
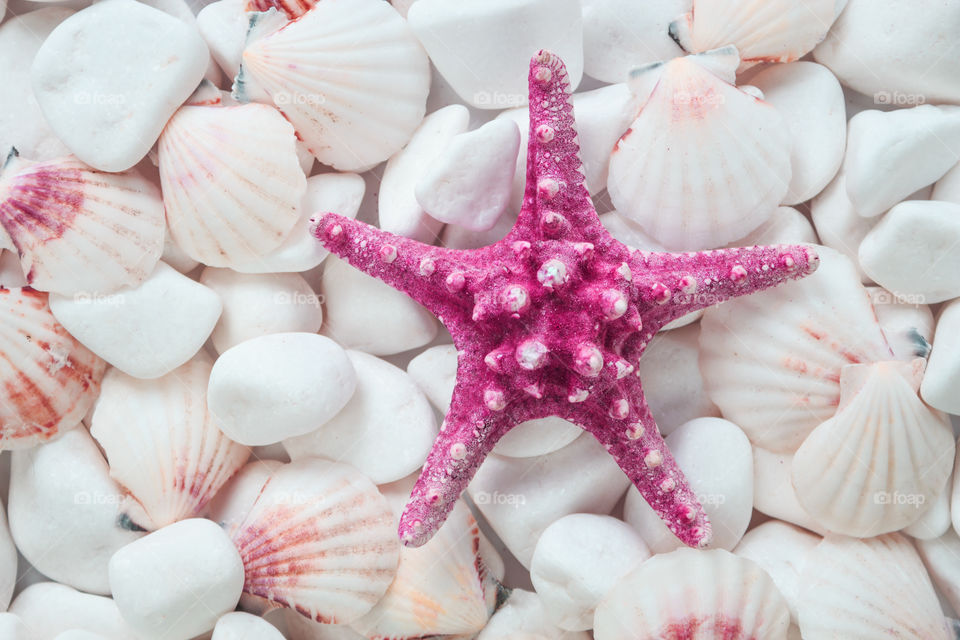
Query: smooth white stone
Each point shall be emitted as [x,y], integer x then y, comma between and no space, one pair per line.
[936,520]
[899,51]
[434,371]
[941,556]
[456,237]
[145,331]
[483,47]
[180,9]
[279,386]
[8,563]
[672,384]
[385,430]
[773,492]
[892,154]
[22,124]
[366,314]
[64,511]
[811,101]
[109,115]
[79,634]
[398,206]
[257,305]
[48,609]
[523,617]
[469,183]
[786,226]
[947,188]
[907,326]
[520,497]
[780,549]
[577,560]
[339,193]
[174,583]
[716,459]
[223,26]
[913,251]
[837,223]
[244,626]
[941,380]
[12,628]
[619,36]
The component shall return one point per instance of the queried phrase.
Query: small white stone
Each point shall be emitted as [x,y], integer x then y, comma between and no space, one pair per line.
[223,26]
[469,182]
[941,556]
[837,222]
[524,617]
[434,371]
[48,609]
[948,187]
[12,628]
[716,460]
[773,492]
[244,626]
[385,430]
[939,386]
[145,331]
[110,114]
[366,314]
[176,582]
[577,560]
[913,251]
[256,305]
[279,386]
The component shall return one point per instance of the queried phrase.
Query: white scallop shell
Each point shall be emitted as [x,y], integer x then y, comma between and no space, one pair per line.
[704,163]
[291,8]
[763,30]
[696,595]
[771,360]
[349,75]
[441,588]
[48,380]
[868,589]
[882,460]
[162,446]
[79,230]
[232,184]
[320,539]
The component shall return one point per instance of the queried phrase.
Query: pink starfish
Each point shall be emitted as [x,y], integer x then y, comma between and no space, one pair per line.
[551,320]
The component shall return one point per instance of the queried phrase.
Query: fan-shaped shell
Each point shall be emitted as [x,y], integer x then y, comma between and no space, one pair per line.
[763,30]
[882,460]
[79,230]
[48,380]
[703,164]
[694,595]
[291,8]
[320,539]
[162,445]
[349,75]
[232,184]
[868,589]
[771,361]
[441,588]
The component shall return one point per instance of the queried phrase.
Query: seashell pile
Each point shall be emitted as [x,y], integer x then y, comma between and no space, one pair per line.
[721,237]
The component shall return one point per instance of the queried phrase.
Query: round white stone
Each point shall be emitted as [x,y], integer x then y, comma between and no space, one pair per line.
[773,492]
[223,26]
[939,386]
[244,626]
[837,222]
[12,628]
[48,609]
[279,386]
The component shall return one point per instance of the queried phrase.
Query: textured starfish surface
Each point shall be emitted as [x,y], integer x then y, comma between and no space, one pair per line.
[552,320]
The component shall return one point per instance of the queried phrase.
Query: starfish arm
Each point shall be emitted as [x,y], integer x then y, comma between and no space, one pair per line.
[674,284]
[634,441]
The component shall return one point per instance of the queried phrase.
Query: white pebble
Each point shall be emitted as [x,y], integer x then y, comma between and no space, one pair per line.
[773,492]
[837,222]
[939,386]
[145,331]
[174,583]
[12,628]
[223,25]
[74,610]
[524,617]
[279,386]
[947,188]
[79,634]
[244,626]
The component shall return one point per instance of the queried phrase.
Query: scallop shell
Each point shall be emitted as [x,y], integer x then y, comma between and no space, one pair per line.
[49,380]
[763,30]
[694,595]
[232,184]
[162,446]
[441,588]
[293,9]
[882,460]
[320,539]
[771,361]
[868,589]
[77,229]
[704,163]
[349,75]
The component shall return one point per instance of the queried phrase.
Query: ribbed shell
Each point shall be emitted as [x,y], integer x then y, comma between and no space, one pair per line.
[48,380]
[162,446]
[441,588]
[771,361]
[762,30]
[79,230]
[694,595]
[703,164]
[866,590]
[349,75]
[882,460]
[319,539]
[232,184]
[292,8]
